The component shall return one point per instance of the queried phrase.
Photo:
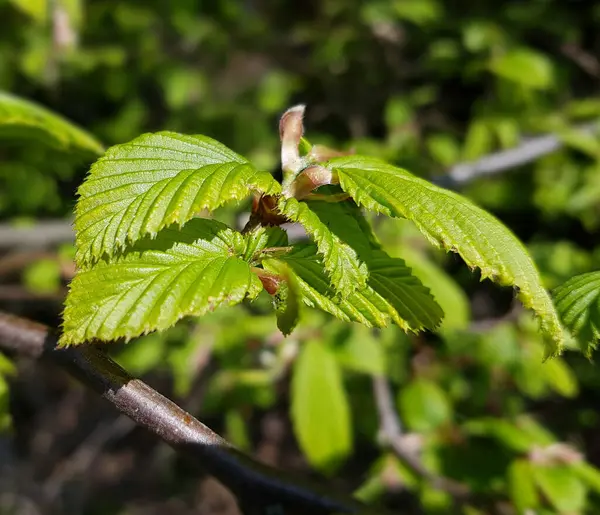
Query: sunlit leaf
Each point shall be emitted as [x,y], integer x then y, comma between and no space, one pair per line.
[452,221]
[578,303]
[340,259]
[397,296]
[159,281]
[155,180]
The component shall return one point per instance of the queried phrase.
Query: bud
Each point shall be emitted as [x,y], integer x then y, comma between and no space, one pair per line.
[291,130]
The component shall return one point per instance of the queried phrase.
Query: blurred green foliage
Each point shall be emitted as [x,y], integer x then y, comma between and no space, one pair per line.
[425,84]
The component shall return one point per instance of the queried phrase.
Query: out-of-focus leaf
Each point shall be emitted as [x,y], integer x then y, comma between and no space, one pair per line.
[319,406]
[561,487]
[479,140]
[39,10]
[526,67]
[589,474]
[424,406]
[451,298]
[361,351]
[22,119]
[521,486]
[43,276]
[561,378]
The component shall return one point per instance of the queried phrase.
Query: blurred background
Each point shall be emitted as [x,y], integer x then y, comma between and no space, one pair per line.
[425,84]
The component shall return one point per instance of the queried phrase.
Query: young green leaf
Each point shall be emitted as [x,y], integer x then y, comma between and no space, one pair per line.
[457,224]
[155,180]
[521,485]
[287,303]
[392,294]
[389,277]
[159,281]
[561,487]
[578,303]
[319,405]
[22,119]
[424,405]
[340,259]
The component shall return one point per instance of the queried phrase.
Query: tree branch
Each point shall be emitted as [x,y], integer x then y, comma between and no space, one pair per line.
[528,151]
[390,430]
[259,489]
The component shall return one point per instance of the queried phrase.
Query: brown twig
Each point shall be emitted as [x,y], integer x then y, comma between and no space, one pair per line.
[258,488]
[588,62]
[391,436]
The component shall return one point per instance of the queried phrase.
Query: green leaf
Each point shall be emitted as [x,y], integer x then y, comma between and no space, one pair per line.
[403,299]
[340,259]
[561,378]
[578,303]
[37,9]
[287,303]
[506,432]
[521,486]
[361,350]
[22,119]
[319,407]
[388,276]
[159,281]
[424,406]
[447,293]
[524,67]
[155,180]
[589,474]
[457,224]
[269,239]
[561,487]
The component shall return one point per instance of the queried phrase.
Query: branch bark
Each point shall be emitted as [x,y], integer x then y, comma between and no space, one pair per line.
[390,430]
[528,151]
[259,489]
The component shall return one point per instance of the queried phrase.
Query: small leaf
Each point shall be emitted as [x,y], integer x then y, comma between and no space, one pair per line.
[319,406]
[180,273]
[561,486]
[521,486]
[578,303]
[525,67]
[22,119]
[287,303]
[388,276]
[457,224]
[424,406]
[155,180]
[403,300]
[340,259]
[261,239]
